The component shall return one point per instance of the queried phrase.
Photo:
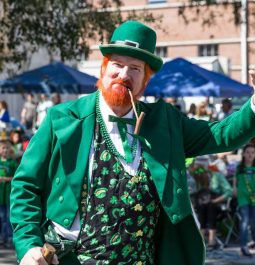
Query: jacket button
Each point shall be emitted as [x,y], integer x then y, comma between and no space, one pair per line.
[61,198]
[179,191]
[175,218]
[84,194]
[57,180]
[66,222]
[183,172]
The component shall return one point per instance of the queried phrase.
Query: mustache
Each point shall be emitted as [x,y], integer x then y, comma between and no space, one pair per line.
[125,84]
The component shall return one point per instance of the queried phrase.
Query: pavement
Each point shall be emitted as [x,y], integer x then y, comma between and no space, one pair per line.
[230,255]
[227,256]
[7,256]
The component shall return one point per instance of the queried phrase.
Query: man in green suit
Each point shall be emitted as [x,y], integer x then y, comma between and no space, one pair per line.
[102,194]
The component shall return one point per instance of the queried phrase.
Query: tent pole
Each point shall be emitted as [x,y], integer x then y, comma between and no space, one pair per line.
[244,48]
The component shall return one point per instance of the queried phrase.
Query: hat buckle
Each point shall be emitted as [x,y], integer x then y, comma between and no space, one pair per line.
[127,42]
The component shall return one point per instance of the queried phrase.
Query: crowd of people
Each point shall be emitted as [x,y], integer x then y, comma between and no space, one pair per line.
[204,110]
[219,184]
[34,111]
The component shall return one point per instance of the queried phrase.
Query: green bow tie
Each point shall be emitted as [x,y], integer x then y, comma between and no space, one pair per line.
[122,120]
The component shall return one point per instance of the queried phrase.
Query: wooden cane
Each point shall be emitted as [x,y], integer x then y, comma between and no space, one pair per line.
[133,103]
[48,252]
[139,123]
[138,119]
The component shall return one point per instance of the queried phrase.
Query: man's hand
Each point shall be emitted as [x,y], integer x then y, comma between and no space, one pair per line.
[34,257]
[3,179]
[252,76]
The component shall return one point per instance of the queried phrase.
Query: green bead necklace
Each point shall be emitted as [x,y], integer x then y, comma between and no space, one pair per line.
[249,188]
[107,137]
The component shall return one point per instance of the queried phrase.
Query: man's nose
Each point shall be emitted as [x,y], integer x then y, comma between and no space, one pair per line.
[123,74]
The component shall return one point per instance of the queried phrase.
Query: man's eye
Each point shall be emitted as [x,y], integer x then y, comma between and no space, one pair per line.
[136,69]
[117,64]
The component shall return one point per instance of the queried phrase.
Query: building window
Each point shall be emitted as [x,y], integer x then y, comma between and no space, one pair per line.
[156,1]
[161,51]
[208,50]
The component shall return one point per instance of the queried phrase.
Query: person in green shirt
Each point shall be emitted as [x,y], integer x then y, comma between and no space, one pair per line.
[7,170]
[244,189]
[213,190]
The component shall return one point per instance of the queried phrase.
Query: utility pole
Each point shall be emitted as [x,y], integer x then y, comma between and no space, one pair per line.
[244,44]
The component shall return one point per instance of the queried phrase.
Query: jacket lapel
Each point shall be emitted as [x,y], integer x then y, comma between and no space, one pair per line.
[155,130]
[75,132]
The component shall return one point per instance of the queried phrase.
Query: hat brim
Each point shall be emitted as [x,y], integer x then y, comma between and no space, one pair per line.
[154,61]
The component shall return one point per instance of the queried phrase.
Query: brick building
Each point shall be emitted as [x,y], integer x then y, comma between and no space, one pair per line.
[208,37]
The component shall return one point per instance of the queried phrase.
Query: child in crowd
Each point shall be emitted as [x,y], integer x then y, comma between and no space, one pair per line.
[17,147]
[244,188]
[7,170]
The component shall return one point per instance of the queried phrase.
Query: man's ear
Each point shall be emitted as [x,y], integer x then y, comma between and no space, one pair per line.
[103,68]
[147,74]
[104,64]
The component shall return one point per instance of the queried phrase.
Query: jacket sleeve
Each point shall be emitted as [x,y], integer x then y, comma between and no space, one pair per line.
[28,186]
[227,190]
[201,137]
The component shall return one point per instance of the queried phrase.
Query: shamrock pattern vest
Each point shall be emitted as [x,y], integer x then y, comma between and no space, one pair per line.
[120,213]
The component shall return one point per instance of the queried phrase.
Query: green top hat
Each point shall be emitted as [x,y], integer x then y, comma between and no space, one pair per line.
[134,39]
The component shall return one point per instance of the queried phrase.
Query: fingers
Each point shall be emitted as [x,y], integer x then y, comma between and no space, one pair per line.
[55,260]
[34,257]
[252,76]
[38,257]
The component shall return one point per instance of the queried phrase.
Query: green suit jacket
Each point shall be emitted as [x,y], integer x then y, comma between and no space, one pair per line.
[47,184]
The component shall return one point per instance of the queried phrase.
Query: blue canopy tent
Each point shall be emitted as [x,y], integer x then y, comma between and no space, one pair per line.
[55,77]
[181,78]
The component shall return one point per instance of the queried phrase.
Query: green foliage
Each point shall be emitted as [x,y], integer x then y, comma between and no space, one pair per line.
[63,27]
[206,15]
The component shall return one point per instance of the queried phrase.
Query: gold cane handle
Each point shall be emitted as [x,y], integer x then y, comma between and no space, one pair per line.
[48,252]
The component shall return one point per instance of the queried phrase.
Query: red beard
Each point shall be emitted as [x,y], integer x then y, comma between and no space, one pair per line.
[117,96]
